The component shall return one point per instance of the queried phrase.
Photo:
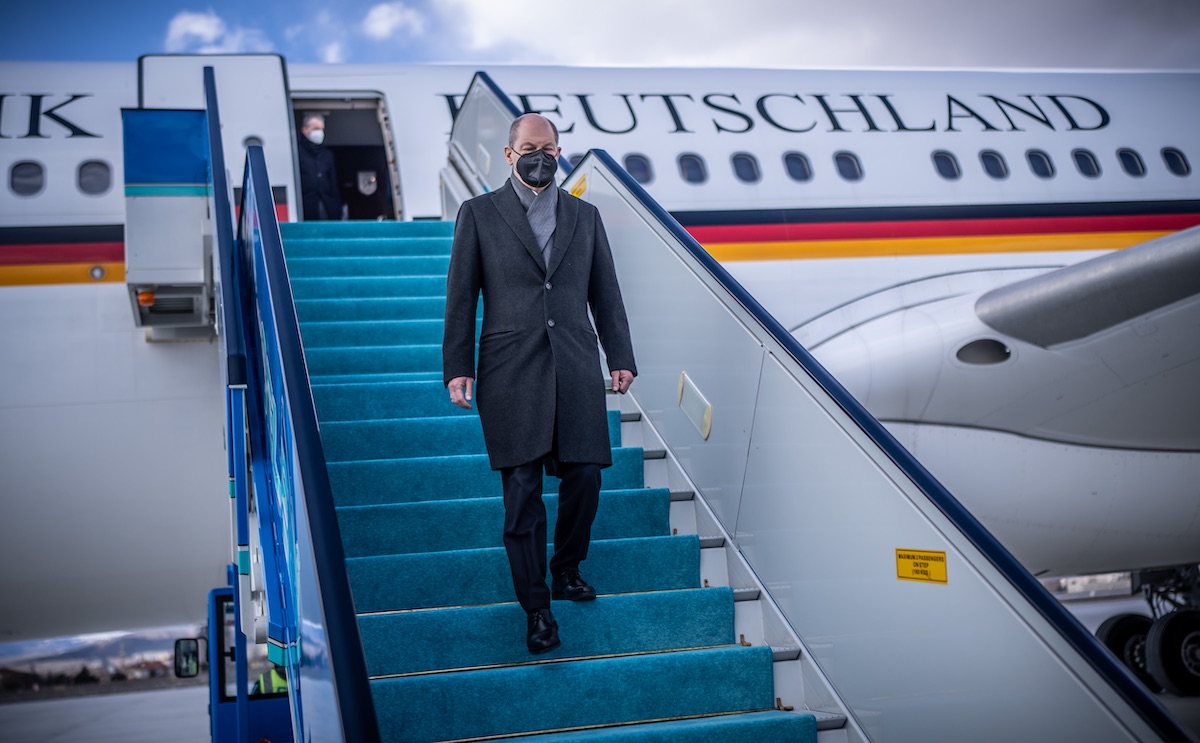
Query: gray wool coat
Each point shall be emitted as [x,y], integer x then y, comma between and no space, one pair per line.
[539,364]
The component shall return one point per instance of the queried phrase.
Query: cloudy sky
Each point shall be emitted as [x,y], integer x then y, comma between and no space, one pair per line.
[1119,34]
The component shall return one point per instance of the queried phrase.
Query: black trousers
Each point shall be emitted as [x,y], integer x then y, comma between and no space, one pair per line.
[525,524]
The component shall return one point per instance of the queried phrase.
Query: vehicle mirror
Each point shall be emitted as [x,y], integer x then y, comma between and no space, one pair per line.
[187,658]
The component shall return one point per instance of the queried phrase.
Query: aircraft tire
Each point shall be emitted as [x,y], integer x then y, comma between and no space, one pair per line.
[1125,635]
[1173,652]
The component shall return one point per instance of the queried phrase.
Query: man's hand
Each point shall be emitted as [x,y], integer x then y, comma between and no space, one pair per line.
[461,397]
[621,379]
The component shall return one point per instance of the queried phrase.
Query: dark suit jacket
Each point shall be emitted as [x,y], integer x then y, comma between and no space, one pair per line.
[539,364]
[318,181]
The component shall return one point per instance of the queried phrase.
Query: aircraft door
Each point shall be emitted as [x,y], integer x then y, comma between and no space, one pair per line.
[359,137]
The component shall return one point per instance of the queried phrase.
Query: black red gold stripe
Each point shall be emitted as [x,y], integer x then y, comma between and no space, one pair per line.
[62,255]
[792,234]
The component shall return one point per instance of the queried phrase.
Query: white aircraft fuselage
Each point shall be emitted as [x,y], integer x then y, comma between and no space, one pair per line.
[869,211]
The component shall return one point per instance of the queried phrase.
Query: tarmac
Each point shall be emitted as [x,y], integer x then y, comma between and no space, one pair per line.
[177,715]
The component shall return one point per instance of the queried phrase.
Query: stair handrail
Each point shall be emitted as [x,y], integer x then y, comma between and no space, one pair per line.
[1151,712]
[232,349]
[318,632]
[229,331]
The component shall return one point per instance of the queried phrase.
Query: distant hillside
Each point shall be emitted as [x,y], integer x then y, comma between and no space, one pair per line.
[94,648]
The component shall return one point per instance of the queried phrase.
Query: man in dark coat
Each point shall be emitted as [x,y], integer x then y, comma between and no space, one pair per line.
[318,176]
[541,259]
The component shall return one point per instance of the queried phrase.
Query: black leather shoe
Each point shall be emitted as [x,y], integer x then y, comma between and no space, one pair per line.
[542,636]
[570,586]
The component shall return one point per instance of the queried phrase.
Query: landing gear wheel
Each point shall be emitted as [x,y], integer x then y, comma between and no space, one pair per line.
[1173,652]
[1125,635]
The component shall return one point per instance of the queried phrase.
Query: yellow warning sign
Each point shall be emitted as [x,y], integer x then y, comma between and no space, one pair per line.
[580,186]
[921,565]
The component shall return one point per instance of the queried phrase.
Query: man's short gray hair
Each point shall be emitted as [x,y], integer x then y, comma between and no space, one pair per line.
[310,118]
[516,125]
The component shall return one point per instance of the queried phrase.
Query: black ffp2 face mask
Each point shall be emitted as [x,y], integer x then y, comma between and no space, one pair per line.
[537,168]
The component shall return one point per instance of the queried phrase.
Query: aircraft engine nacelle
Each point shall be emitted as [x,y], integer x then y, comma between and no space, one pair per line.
[168,229]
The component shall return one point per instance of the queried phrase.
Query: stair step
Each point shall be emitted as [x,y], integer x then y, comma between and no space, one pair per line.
[373,400]
[368,307]
[475,523]
[785,652]
[371,287]
[372,333]
[482,576]
[399,438]
[603,691]
[444,478]
[827,720]
[374,360]
[350,229]
[413,641]
[364,247]
[414,266]
[329,379]
[736,727]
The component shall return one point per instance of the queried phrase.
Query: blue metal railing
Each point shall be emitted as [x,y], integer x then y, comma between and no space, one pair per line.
[1132,691]
[233,355]
[233,347]
[312,626]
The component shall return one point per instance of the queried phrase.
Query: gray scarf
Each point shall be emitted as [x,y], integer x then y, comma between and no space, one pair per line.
[540,210]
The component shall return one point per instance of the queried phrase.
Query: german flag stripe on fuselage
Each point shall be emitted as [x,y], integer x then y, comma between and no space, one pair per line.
[62,255]
[859,232]
[96,253]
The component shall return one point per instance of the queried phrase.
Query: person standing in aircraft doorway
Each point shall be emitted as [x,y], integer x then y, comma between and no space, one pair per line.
[541,259]
[318,175]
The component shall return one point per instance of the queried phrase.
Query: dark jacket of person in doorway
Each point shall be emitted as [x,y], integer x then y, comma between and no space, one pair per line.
[319,188]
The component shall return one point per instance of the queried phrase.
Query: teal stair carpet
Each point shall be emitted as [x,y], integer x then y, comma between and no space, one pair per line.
[654,658]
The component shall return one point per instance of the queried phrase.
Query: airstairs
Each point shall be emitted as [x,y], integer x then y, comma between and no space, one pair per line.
[772,564]
[420,517]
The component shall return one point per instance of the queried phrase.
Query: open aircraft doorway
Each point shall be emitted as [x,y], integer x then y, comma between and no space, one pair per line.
[358,133]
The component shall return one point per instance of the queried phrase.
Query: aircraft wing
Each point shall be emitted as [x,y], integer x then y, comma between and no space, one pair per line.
[1102,353]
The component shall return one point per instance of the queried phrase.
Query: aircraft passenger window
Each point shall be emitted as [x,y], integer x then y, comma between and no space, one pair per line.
[1176,162]
[1040,163]
[947,165]
[692,168]
[94,177]
[27,178]
[798,167]
[848,166]
[639,167]
[1086,163]
[993,164]
[745,167]
[1131,162]
[574,159]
